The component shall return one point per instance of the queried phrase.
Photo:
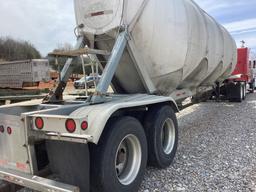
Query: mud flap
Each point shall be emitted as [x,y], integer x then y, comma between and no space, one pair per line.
[71,162]
[233,91]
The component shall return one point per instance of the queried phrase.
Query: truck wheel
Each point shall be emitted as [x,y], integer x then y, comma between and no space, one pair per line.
[252,86]
[240,92]
[244,91]
[119,160]
[162,135]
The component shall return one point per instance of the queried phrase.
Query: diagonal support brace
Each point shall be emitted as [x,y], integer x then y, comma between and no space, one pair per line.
[56,95]
[110,68]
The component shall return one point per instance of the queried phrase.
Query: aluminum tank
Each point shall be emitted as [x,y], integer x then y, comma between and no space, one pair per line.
[177,43]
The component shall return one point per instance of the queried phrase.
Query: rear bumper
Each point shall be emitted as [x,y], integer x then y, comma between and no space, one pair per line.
[35,182]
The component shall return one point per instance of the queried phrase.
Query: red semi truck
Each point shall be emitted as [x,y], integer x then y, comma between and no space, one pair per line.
[253,69]
[242,79]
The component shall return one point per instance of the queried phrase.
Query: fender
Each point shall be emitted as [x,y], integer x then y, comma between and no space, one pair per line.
[98,115]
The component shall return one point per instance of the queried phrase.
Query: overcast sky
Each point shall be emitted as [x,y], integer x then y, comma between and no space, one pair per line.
[48,23]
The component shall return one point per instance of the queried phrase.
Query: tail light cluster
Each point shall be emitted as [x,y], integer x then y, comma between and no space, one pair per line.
[70,125]
[84,125]
[39,122]
[2,129]
[9,130]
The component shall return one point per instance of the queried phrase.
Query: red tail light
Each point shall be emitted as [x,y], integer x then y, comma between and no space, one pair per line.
[1,128]
[84,125]
[39,122]
[9,130]
[70,125]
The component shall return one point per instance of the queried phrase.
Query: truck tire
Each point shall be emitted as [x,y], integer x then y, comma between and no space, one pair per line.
[244,90]
[118,162]
[252,86]
[240,92]
[162,134]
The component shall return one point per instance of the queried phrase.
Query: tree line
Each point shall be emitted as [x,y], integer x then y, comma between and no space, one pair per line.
[11,50]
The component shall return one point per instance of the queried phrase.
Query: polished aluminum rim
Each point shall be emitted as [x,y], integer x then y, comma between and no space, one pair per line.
[168,136]
[128,159]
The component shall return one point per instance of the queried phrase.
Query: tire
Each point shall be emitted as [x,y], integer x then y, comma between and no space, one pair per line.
[244,91]
[162,134]
[252,86]
[110,159]
[240,93]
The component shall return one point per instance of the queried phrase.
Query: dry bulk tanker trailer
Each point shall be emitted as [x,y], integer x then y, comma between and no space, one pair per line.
[175,43]
[153,53]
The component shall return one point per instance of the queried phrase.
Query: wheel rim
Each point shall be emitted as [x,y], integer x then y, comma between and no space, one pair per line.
[168,136]
[128,159]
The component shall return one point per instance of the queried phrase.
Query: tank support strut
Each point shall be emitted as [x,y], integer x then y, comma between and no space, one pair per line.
[110,68]
[56,95]
[107,76]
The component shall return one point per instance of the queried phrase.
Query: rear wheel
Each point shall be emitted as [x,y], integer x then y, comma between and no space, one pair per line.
[162,134]
[119,160]
[240,92]
[244,91]
[252,86]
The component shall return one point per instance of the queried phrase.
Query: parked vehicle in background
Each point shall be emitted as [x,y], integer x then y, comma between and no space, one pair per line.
[242,79]
[17,74]
[253,68]
[54,75]
[90,81]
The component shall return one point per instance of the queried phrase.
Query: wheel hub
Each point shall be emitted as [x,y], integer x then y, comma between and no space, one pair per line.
[128,159]
[168,136]
[121,159]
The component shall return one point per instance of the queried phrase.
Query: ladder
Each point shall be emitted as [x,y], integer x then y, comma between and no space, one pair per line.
[56,95]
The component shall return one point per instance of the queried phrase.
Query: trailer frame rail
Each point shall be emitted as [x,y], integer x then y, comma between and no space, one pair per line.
[35,182]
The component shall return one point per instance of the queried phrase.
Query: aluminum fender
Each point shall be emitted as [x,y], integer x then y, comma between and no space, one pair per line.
[99,114]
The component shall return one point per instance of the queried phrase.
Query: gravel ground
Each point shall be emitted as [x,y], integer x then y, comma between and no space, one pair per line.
[217,150]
